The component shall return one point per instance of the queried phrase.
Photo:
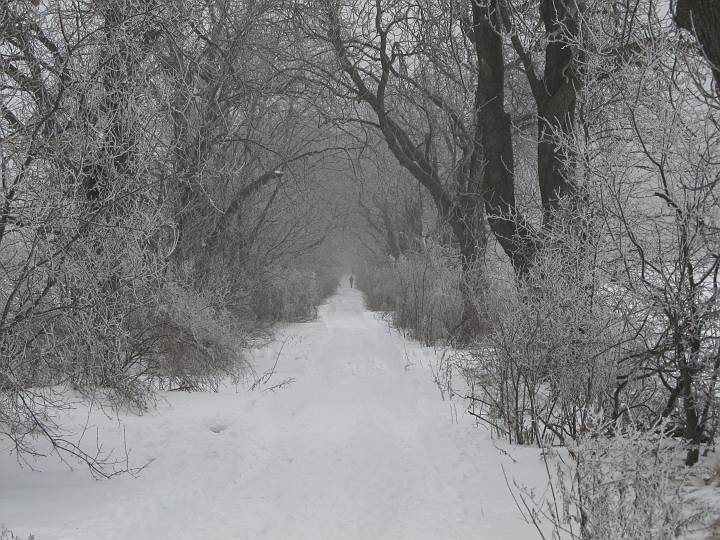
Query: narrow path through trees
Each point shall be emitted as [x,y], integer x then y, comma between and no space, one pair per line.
[360,445]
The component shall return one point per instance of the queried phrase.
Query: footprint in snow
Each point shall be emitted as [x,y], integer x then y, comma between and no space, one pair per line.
[218,427]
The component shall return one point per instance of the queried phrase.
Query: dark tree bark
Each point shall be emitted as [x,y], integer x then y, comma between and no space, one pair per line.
[492,169]
[486,188]
[555,98]
[702,18]
[489,184]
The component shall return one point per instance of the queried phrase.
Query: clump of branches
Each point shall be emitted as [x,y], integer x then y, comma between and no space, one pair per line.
[291,296]
[549,359]
[7,534]
[615,481]
[79,211]
[618,311]
[420,291]
[149,155]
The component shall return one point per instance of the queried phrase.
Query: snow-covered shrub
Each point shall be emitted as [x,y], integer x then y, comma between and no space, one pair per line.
[196,339]
[616,482]
[428,302]
[7,534]
[421,291]
[327,282]
[550,359]
[650,148]
[76,325]
[291,295]
[79,253]
[378,283]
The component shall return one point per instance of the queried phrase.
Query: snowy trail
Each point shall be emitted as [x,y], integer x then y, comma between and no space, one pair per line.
[359,446]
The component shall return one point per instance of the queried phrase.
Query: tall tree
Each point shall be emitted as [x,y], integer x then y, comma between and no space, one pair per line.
[434,75]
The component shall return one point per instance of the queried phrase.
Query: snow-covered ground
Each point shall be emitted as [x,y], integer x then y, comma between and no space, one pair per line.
[359,446]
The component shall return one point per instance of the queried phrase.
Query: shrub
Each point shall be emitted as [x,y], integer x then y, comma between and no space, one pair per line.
[616,482]
[379,285]
[551,357]
[7,534]
[196,339]
[292,295]
[420,290]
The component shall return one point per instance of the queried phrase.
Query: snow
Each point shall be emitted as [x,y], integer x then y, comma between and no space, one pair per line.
[360,445]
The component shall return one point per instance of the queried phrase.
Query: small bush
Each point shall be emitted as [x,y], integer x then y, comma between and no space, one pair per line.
[7,534]
[420,290]
[551,357]
[327,279]
[197,339]
[616,482]
[292,296]
[379,284]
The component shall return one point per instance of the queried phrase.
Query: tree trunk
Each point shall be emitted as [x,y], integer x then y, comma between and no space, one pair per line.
[693,431]
[702,18]
[555,99]
[492,168]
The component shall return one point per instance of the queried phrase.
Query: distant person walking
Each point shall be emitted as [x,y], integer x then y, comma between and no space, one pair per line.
[352,279]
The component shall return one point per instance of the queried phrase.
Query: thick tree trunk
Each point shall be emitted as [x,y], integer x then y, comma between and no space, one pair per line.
[555,98]
[488,188]
[492,169]
[475,321]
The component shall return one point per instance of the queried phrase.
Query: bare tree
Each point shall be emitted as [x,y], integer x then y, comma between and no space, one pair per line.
[78,208]
[434,75]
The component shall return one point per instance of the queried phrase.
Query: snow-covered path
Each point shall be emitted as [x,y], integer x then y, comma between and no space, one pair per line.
[359,446]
